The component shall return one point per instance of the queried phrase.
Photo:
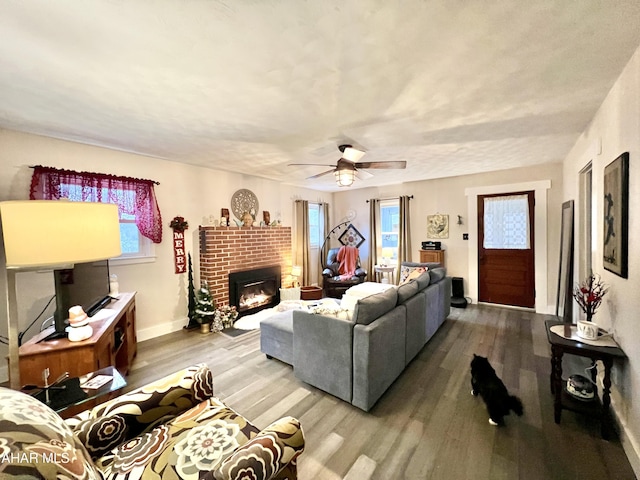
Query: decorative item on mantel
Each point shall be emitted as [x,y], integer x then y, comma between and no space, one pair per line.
[179,225]
[224,217]
[589,294]
[205,308]
[243,201]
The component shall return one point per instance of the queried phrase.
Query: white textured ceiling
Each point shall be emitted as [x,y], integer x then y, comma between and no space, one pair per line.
[452,87]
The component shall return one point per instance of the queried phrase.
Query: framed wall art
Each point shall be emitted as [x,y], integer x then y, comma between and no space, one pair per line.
[616,216]
[438,226]
[351,236]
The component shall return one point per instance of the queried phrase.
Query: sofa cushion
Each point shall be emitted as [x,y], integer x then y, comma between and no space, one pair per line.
[37,442]
[409,271]
[423,280]
[183,447]
[371,307]
[437,274]
[141,410]
[407,290]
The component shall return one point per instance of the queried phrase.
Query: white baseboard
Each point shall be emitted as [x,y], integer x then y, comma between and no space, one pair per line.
[153,332]
[629,444]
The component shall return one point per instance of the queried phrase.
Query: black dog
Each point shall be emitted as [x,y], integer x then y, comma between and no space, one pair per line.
[485,382]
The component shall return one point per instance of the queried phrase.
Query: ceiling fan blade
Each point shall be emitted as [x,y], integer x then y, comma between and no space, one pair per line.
[309,165]
[352,154]
[395,164]
[363,175]
[320,174]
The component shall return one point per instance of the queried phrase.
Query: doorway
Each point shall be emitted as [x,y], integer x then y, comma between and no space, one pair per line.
[506,249]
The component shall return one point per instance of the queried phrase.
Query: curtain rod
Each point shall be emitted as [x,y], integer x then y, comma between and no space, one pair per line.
[390,198]
[93,173]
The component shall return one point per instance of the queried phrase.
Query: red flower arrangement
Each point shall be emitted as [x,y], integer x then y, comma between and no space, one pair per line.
[589,294]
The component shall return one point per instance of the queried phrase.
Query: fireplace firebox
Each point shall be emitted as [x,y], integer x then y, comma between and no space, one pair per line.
[253,290]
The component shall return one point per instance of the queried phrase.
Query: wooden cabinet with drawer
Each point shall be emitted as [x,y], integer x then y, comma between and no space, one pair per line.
[113,343]
[432,256]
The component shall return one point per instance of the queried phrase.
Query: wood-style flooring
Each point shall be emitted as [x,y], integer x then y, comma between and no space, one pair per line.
[427,425]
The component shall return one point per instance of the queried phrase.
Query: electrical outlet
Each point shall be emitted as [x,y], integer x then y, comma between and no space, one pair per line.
[465,236]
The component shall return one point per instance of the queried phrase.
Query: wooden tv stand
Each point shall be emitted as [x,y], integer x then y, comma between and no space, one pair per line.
[113,343]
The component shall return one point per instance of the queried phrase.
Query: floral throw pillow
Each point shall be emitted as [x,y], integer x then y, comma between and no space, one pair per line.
[408,273]
[36,443]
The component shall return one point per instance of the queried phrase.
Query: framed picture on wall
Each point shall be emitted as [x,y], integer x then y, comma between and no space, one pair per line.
[616,216]
[438,226]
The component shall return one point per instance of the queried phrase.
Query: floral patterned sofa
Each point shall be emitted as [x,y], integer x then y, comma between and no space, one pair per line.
[173,428]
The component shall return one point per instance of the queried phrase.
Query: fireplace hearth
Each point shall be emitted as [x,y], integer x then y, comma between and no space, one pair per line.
[253,290]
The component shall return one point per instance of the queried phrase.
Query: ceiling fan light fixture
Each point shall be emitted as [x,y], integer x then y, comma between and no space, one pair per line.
[344,177]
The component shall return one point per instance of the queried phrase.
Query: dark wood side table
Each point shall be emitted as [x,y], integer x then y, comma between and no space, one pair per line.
[67,406]
[598,407]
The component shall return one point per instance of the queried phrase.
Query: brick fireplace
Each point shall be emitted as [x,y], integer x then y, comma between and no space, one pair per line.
[225,250]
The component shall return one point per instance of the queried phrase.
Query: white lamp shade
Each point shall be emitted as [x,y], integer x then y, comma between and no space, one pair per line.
[296,271]
[48,233]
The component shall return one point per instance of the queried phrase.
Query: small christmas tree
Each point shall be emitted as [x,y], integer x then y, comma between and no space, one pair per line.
[193,322]
[206,305]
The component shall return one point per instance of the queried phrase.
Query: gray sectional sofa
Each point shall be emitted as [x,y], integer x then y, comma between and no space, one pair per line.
[356,359]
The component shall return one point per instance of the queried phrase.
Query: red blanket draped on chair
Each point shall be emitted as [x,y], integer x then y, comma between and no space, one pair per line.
[348,258]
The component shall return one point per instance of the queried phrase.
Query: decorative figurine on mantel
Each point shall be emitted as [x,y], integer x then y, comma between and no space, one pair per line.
[247,219]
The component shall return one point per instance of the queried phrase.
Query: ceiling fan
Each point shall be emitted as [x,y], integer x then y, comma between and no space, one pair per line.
[347,167]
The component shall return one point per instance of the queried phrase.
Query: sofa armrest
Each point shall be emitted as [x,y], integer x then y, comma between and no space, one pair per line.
[361,272]
[322,352]
[272,450]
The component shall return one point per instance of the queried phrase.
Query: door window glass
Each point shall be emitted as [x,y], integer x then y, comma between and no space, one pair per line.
[506,222]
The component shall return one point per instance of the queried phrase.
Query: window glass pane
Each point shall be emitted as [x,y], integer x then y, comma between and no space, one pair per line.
[390,227]
[506,222]
[314,225]
[129,238]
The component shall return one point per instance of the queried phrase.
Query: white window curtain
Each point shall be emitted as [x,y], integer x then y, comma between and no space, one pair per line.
[506,222]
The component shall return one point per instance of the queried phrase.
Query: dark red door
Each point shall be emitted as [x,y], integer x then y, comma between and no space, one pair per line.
[506,273]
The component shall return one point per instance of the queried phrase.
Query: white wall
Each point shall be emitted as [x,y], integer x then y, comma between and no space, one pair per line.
[188,191]
[616,127]
[447,196]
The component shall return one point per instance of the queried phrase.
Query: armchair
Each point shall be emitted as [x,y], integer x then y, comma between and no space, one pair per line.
[172,428]
[334,282]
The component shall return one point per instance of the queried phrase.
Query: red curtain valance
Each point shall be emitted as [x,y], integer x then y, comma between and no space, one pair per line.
[133,196]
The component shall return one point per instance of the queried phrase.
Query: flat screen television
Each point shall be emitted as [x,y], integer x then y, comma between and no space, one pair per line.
[86,284]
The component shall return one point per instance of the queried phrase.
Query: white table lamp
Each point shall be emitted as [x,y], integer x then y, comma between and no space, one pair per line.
[38,234]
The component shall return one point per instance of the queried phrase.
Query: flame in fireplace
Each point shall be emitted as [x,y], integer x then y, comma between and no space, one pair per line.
[254,300]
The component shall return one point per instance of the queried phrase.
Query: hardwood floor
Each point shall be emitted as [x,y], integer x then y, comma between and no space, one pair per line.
[427,425]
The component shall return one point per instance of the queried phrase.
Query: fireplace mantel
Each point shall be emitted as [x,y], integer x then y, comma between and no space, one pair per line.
[225,250]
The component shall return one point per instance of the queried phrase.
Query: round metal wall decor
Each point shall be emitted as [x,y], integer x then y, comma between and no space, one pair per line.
[242,201]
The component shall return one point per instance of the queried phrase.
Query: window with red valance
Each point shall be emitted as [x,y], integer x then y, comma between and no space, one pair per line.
[135,197]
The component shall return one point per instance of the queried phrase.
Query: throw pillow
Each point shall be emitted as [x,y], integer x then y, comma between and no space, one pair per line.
[408,273]
[36,443]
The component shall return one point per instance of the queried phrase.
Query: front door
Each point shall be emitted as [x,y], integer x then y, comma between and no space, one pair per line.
[506,249]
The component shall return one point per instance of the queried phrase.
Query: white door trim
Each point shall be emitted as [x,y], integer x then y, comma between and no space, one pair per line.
[540,236]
